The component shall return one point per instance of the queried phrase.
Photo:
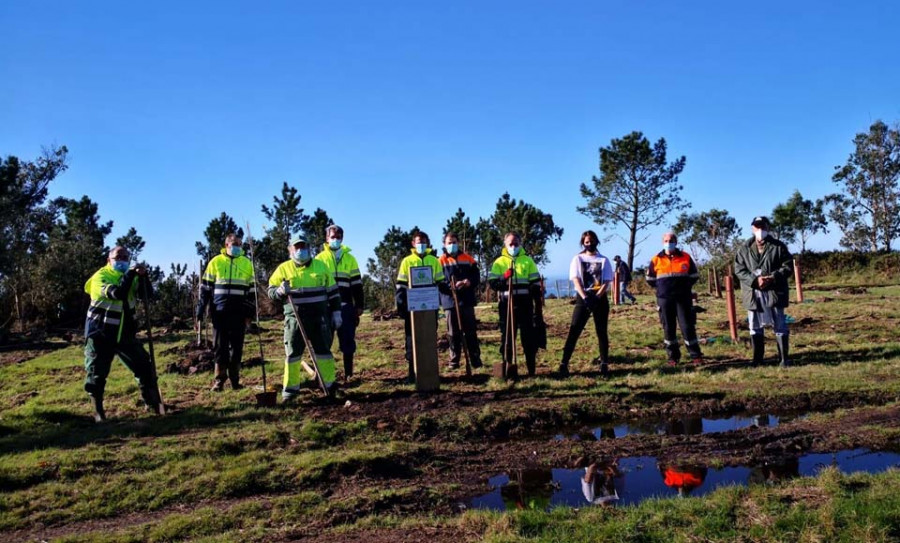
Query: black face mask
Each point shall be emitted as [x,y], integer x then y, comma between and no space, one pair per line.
[590,247]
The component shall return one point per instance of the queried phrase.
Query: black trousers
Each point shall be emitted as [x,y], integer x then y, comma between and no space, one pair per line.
[678,311]
[523,317]
[456,335]
[580,315]
[228,342]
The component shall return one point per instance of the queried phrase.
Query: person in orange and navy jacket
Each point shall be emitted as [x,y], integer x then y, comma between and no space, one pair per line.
[672,273]
[683,479]
[461,271]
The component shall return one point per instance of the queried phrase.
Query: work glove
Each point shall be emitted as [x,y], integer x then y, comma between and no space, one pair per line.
[508,273]
[336,319]
[283,288]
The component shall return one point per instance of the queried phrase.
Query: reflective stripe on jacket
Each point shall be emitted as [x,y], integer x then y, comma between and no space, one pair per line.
[113,300]
[526,280]
[345,269]
[229,283]
[413,261]
[672,275]
[313,290]
[459,268]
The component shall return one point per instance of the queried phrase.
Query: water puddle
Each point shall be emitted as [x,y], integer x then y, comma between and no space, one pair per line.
[634,479]
[684,426]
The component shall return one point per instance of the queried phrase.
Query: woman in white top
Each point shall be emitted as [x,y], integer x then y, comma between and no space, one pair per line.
[592,273]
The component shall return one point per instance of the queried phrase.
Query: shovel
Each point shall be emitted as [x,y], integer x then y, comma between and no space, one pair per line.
[465,342]
[309,349]
[266,398]
[162,406]
[510,370]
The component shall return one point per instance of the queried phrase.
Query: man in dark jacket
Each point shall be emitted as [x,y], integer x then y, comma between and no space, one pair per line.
[763,265]
[672,273]
[624,273]
[461,272]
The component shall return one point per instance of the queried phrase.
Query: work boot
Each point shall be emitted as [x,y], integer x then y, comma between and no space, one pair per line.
[236,386]
[150,394]
[476,363]
[531,365]
[217,386]
[783,348]
[604,369]
[563,370]
[348,366]
[97,402]
[759,348]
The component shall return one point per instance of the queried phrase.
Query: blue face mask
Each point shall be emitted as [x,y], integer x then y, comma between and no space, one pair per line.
[453,248]
[301,256]
[235,251]
[421,248]
[334,244]
[120,266]
[670,246]
[513,251]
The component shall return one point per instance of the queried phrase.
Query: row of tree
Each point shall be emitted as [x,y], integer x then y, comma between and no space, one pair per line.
[49,248]
[638,189]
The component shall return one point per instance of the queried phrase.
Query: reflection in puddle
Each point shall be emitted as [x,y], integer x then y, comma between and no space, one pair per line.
[634,479]
[684,426]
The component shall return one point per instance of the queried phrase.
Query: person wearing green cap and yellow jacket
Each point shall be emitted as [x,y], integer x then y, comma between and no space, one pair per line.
[110,329]
[307,284]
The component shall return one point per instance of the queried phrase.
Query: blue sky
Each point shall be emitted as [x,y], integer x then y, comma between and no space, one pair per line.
[398,113]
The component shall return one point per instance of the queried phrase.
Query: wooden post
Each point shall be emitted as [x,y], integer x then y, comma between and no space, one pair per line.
[709,280]
[615,289]
[729,302]
[718,287]
[797,281]
[425,358]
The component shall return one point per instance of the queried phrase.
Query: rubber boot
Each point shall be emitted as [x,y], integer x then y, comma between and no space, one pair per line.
[151,398]
[97,402]
[783,348]
[531,365]
[348,366]
[759,348]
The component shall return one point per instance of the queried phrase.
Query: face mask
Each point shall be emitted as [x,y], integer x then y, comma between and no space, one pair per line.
[120,266]
[513,251]
[671,246]
[334,244]
[761,234]
[301,256]
[421,248]
[453,248]
[590,247]
[235,251]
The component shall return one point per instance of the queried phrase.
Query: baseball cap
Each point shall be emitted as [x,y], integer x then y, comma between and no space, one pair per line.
[760,221]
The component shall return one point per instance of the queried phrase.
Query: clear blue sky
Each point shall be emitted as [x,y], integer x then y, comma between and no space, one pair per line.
[400,112]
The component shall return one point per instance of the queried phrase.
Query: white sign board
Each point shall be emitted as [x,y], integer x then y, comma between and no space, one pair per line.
[422,299]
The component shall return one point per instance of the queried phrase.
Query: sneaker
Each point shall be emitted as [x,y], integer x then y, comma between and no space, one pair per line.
[696,361]
[99,413]
[672,363]
[217,386]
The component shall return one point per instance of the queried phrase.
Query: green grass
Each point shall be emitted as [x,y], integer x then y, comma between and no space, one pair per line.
[280,471]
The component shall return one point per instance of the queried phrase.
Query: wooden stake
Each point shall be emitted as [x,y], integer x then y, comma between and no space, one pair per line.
[729,302]
[797,281]
[709,280]
[615,291]
[425,359]
[718,287]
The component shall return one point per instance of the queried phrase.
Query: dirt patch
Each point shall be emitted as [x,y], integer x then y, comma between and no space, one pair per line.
[194,357]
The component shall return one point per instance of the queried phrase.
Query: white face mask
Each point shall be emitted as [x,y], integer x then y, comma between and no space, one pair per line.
[513,251]
[761,234]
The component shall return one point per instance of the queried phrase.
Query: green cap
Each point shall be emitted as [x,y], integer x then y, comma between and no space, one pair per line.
[299,238]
